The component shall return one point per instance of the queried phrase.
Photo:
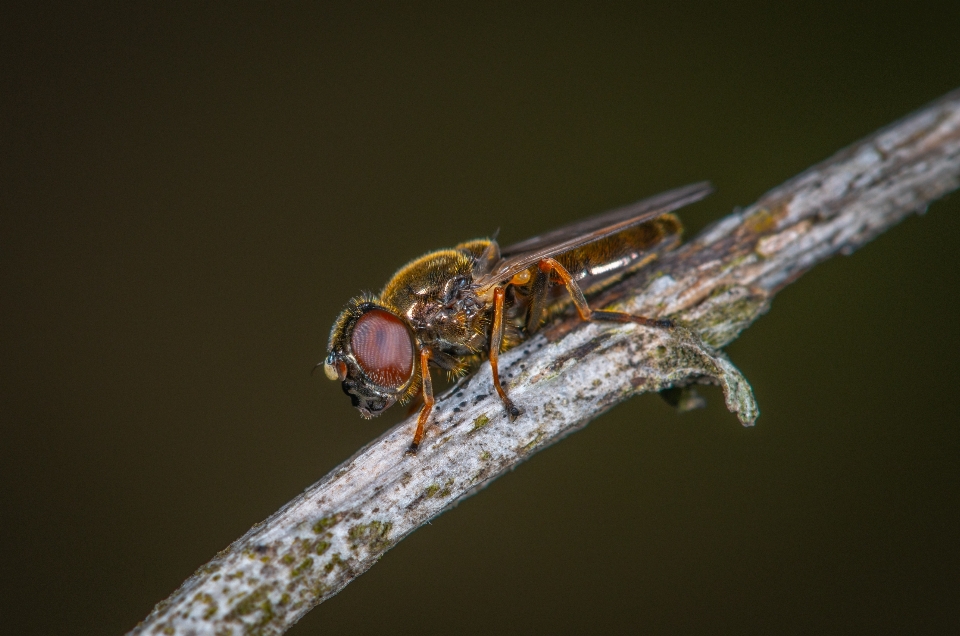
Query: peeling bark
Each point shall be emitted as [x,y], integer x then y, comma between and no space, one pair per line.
[714,287]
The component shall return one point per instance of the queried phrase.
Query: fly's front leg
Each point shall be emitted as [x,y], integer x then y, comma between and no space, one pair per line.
[427,390]
[548,265]
[496,339]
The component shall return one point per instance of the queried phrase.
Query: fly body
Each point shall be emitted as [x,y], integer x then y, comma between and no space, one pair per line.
[452,308]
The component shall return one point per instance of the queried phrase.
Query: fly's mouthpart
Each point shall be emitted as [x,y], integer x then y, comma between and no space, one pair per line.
[372,407]
[366,399]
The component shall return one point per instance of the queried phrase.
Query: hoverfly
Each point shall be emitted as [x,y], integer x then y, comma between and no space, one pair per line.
[451,308]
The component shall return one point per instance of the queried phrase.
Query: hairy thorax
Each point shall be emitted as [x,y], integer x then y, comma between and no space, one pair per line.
[435,293]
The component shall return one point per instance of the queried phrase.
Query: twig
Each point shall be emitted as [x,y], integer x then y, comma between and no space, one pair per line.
[715,286]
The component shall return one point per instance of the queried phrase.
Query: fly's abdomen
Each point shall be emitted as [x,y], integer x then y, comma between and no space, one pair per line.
[601,263]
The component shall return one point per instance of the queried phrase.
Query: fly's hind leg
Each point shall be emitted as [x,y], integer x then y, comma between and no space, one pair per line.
[619,316]
[548,265]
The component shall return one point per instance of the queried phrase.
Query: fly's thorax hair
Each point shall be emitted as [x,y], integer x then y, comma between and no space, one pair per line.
[427,279]
[436,295]
[369,393]
[485,253]
[475,247]
[435,291]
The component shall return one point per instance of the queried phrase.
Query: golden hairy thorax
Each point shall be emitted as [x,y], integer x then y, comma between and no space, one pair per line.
[425,278]
[434,294]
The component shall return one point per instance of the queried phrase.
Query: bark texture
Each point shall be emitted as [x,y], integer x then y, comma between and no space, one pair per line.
[714,286]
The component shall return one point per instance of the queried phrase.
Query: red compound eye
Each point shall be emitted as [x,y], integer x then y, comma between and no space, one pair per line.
[381,343]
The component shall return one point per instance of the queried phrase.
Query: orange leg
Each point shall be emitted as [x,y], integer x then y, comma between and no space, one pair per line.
[576,294]
[496,339]
[427,384]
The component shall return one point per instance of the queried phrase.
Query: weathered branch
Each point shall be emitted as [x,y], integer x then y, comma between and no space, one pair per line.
[716,285]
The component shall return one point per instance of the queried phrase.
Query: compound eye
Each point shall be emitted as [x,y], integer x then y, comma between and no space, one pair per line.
[381,343]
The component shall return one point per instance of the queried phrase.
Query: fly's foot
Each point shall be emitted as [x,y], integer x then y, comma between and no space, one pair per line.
[412,449]
[512,411]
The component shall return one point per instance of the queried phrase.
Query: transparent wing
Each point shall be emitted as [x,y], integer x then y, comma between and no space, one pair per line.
[524,254]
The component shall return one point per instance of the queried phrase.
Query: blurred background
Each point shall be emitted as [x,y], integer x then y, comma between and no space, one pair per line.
[190,194]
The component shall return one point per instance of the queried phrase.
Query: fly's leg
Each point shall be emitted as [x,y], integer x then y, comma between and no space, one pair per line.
[496,339]
[548,265]
[538,301]
[427,390]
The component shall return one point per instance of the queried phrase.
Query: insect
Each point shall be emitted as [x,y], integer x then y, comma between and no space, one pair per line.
[452,308]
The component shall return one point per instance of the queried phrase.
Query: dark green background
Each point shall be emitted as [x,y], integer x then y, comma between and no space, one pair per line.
[190,194]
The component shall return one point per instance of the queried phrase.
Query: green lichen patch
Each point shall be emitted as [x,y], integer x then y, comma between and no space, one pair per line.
[374,535]
[729,311]
[529,446]
[211,604]
[208,568]
[305,565]
[434,490]
[480,422]
[317,589]
[334,562]
[446,491]
[325,523]
[255,601]
[256,614]
[300,555]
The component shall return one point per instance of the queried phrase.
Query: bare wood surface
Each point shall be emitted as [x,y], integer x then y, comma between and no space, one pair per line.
[715,285]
